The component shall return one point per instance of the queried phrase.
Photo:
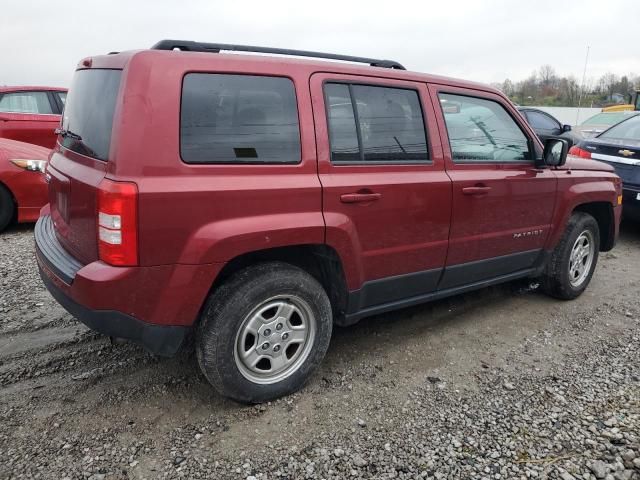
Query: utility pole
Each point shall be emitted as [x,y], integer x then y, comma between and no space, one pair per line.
[584,75]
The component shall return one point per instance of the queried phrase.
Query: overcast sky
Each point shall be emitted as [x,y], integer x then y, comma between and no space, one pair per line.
[481,40]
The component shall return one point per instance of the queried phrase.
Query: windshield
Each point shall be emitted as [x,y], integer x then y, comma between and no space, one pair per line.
[627,130]
[608,118]
[88,113]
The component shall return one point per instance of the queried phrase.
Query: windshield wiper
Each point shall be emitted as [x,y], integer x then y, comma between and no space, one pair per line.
[67,133]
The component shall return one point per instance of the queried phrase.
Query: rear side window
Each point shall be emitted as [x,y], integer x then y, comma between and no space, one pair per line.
[62,96]
[541,121]
[481,130]
[88,112]
[26,102]
[238,119]
[627,130]
[375,124]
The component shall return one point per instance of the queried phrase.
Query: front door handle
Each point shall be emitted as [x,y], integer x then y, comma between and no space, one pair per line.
[478,190]
[359,197]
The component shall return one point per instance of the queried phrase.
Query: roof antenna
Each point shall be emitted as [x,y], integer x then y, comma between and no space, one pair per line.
[584,74]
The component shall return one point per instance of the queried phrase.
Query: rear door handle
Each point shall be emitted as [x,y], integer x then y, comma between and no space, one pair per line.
[478,190]
[359,197]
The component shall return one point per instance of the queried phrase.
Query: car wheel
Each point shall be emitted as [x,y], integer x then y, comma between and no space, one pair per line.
[263,332]
[7,208]
[574,259]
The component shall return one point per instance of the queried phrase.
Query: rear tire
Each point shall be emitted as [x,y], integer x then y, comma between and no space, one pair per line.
[574,259]
[7,208]
[263,332]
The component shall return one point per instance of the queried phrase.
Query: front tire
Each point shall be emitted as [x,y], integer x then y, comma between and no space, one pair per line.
[263,332]
[574,259]
[7,208]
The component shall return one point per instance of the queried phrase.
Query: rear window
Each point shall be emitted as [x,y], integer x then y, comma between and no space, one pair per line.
[238,119]
[88,112]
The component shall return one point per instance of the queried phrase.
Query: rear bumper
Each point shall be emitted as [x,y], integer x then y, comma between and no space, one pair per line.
[154,306]
[160,340]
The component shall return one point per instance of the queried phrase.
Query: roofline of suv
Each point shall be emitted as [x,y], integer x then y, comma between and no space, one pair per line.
[118,60]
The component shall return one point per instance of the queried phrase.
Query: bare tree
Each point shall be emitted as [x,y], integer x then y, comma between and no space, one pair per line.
[507,87]
[608,83]
[544,86]
[569,91]
[547,75]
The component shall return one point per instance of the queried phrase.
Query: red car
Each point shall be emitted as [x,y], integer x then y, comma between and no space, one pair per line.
[31,114]
[260,200]
[23,190]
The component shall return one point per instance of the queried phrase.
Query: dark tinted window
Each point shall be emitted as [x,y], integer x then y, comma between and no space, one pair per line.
[25,102]
[541,121]
[88,111]
[342,123]
[238,119]
[389,126]
[481,130]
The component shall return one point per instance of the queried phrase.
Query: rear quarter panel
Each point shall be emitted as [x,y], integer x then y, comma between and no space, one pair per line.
[194,214]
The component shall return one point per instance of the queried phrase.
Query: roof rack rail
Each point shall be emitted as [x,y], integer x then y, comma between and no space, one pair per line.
[191,46]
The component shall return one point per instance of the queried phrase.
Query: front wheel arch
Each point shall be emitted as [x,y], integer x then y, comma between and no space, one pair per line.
[603,213]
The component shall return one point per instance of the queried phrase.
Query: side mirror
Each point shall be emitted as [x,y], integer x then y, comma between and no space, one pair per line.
[566,128]
[555,152]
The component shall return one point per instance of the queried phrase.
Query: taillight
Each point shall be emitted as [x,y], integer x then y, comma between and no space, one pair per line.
[118,223]
[579,152]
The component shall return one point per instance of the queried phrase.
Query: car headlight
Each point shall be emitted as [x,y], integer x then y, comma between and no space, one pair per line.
[31,165]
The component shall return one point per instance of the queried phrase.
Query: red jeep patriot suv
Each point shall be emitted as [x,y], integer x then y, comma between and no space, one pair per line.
[259,200]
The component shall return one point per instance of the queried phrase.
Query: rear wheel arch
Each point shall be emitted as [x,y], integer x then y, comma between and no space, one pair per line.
[319,260]
[603,214]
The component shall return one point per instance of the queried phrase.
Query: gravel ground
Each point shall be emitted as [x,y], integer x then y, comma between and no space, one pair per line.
[497,384]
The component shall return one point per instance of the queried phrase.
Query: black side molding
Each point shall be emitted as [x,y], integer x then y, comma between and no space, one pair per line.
[386,294]
[352,318]
[387,290]
[471,272]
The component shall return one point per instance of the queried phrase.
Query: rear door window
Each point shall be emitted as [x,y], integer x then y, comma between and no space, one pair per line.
[238,119]
[26,102]
[88,112]
[343,132]
[375,124]
[482,131]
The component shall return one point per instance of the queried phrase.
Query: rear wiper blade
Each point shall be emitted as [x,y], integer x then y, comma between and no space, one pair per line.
[67,133]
